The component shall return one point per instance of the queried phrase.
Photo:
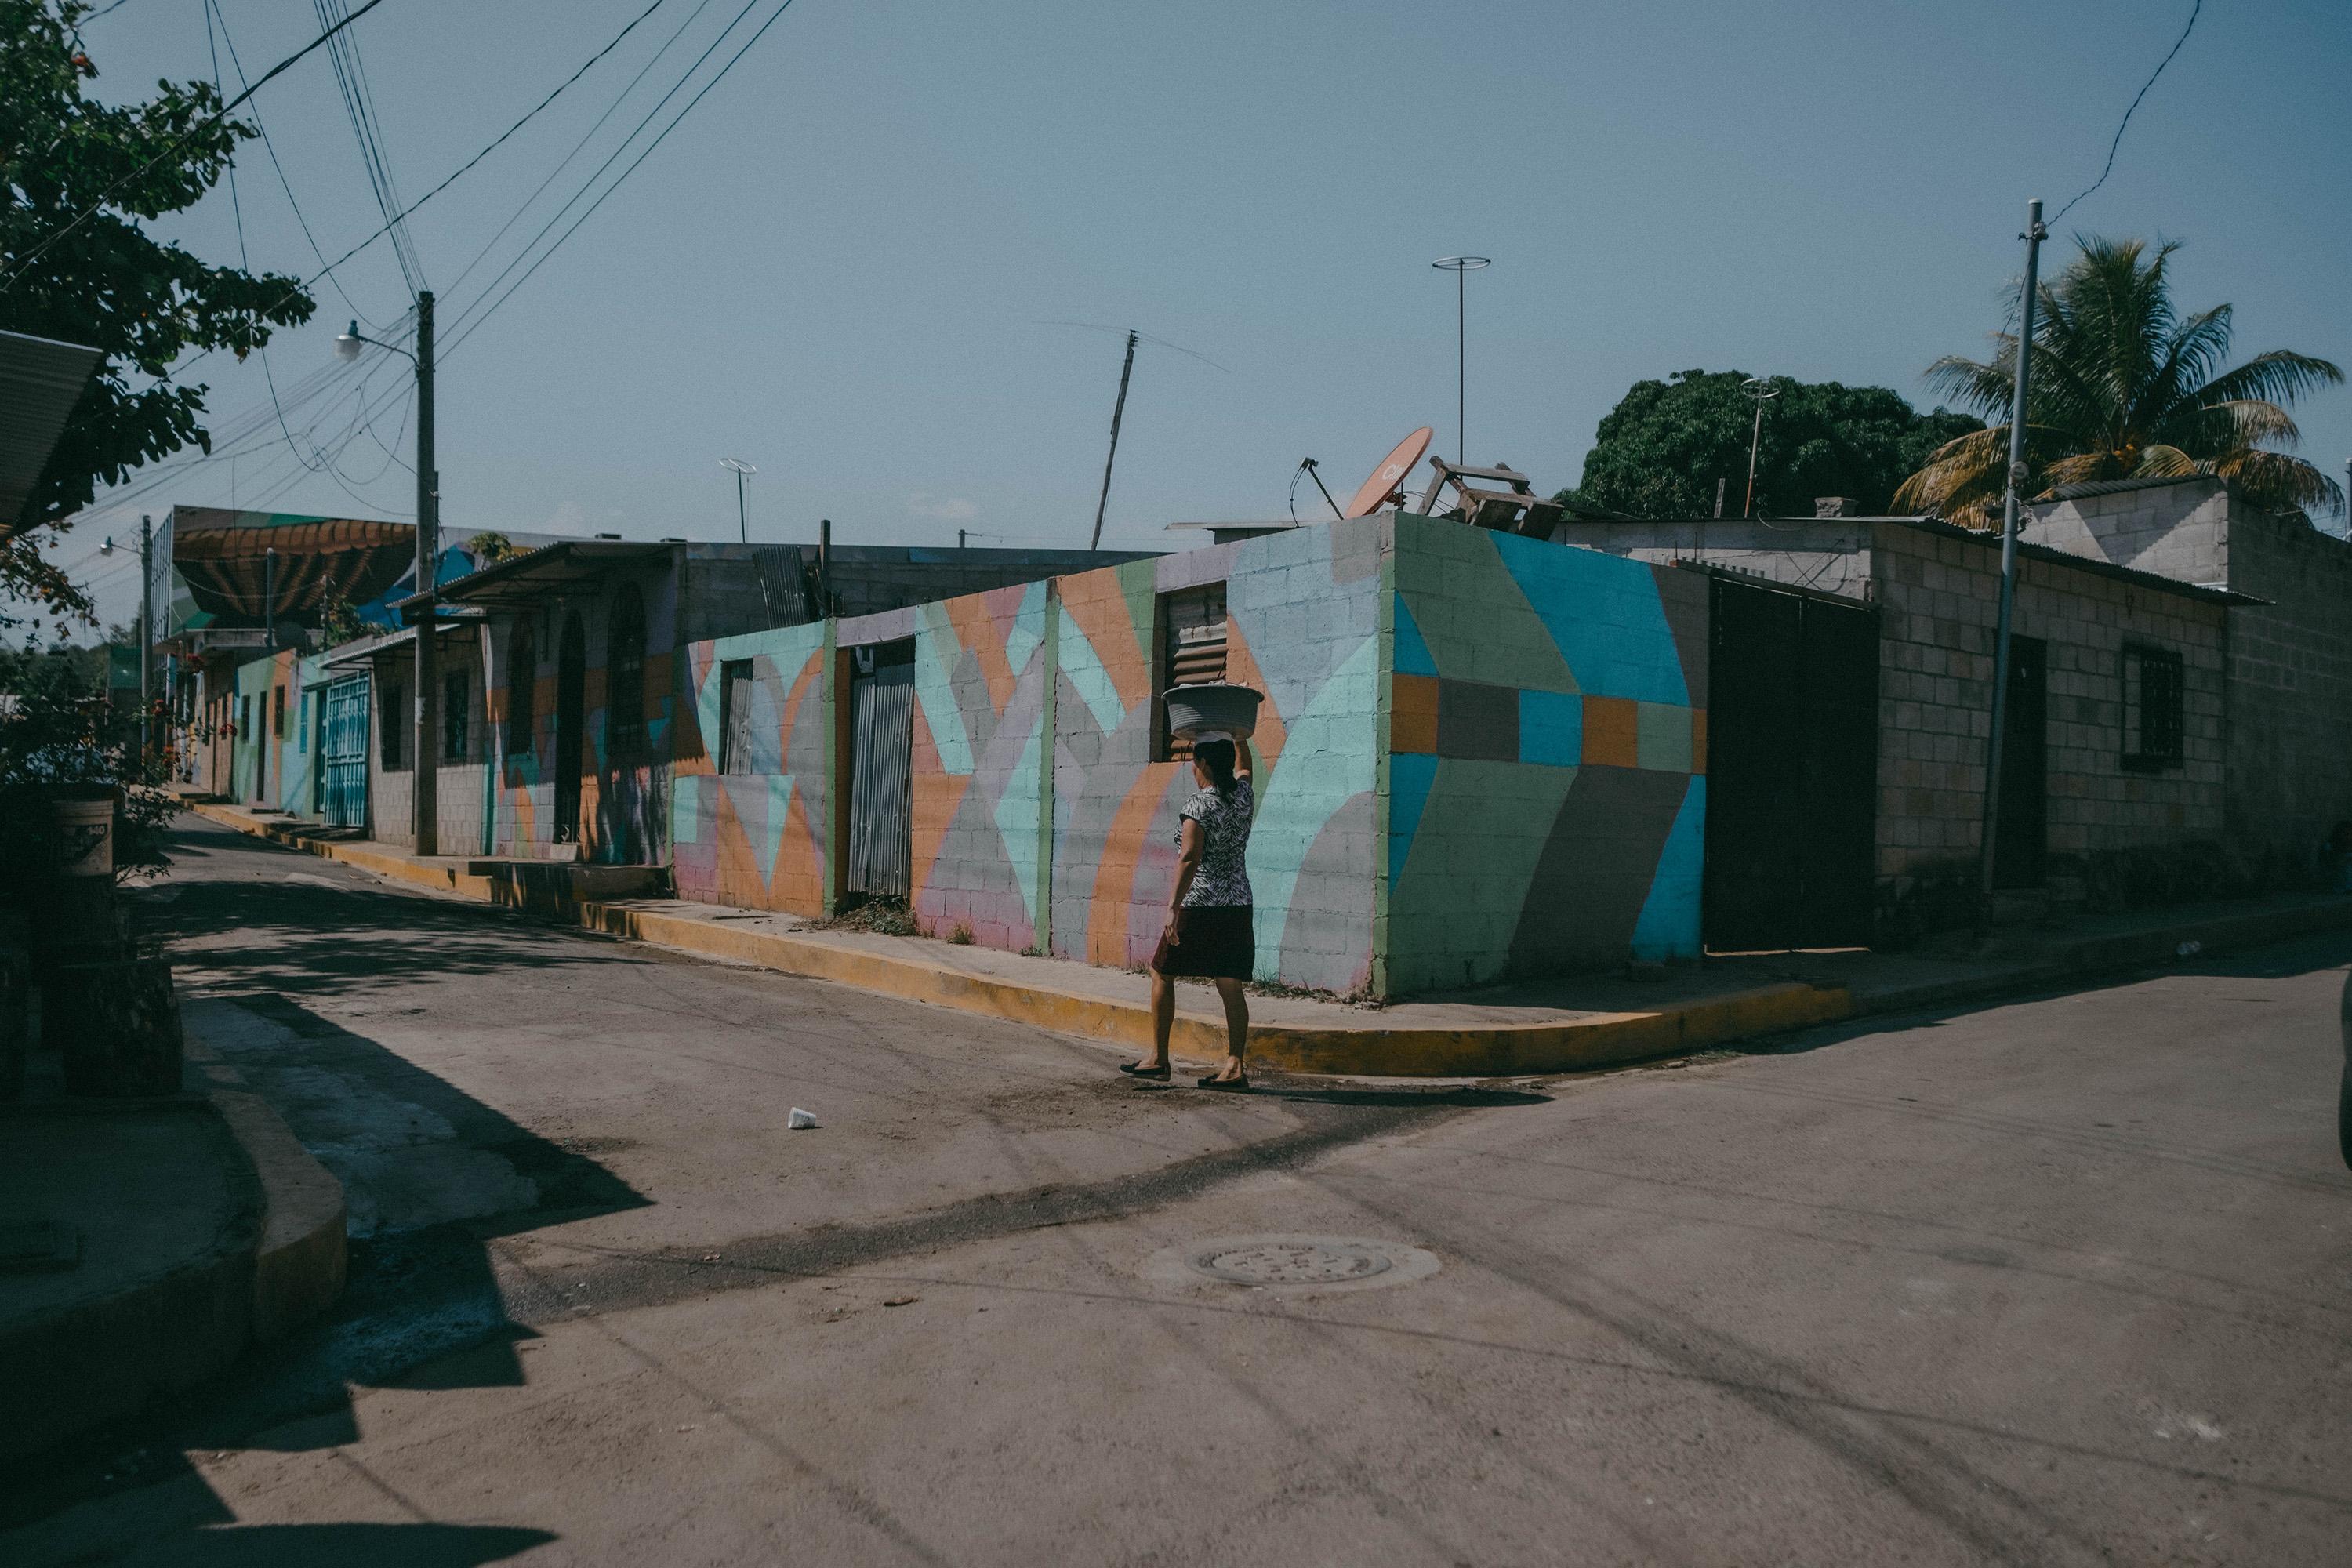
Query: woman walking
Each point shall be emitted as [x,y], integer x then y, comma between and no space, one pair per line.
[1210,935]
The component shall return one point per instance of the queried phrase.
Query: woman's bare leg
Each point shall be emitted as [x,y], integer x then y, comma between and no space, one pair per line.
[1236,1000]
[1163,1018]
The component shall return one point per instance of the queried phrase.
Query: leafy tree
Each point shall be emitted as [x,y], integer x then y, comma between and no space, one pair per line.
[60,728]
[1660,452]
[105,281]
[2123,386]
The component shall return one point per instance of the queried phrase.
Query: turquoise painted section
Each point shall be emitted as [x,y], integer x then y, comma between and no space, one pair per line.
[936,650]
[1551,728]
[1412,656]
[1410,777]
[1019,808]
[1084,670]
[1028,633]
[1607,620]
[1327,761]
[1545,812]
[1669,923]
[758,836]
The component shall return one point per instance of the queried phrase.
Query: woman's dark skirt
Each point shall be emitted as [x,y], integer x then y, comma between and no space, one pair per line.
[1219,943]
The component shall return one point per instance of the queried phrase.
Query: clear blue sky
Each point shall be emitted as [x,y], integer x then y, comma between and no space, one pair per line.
[836,268]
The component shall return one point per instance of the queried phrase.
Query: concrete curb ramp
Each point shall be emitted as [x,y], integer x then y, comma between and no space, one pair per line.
[278,1262]
[1486,1050]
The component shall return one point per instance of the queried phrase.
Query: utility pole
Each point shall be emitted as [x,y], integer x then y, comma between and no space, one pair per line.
[741,470]
[146,631]
[1987,840]
[424,759]
[1117,409]
[1761,392]
[269,598]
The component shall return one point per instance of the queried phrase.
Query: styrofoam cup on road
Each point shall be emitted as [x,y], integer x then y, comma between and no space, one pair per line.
[799,1119]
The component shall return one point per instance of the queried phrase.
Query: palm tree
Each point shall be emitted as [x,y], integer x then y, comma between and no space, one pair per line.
[2123,387]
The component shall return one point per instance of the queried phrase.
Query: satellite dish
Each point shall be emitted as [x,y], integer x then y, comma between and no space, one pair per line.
[1388,480]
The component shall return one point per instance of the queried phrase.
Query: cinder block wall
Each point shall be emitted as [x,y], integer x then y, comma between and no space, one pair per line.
[461,799]
[1938,600]
[760,836]
[1545,759]
[2290,738]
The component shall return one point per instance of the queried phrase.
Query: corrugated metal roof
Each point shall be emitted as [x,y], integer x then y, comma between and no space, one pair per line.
[2116,486]
[40,382]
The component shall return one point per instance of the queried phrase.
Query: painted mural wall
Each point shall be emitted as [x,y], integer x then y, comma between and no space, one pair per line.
[625,809]
[1546,761]
[758,835]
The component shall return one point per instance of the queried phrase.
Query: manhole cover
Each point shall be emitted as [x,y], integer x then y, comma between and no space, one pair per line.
[1291,1263]
[1294,1262]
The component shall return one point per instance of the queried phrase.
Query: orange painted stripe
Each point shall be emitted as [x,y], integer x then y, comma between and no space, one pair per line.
[1109,918]
[975,628]
[1241,668]
[1110,632]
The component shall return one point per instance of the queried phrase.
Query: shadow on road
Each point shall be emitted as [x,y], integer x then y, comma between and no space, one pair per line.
[344,1545]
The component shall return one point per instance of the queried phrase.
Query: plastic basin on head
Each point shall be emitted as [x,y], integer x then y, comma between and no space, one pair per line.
[1194,709]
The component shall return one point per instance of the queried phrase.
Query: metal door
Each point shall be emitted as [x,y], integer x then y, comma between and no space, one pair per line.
[571,694]
[2019,849]
[882,738]
[1792,768]
[343,752]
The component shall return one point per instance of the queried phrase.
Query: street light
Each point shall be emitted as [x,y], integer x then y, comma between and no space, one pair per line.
[1459,266]
[424,793]
[741,470]
[1761,392]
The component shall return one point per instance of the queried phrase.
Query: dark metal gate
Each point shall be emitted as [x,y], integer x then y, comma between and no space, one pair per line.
[1792,768]
[343,753]
[881,770]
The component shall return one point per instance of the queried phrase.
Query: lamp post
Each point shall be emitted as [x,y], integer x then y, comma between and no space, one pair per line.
[424,793]
[1460,266]
[741,470]
[1762,392]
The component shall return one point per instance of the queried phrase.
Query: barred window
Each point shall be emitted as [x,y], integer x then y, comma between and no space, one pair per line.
[1191,652]
[736,690]
[2155,717]
[393,705]
[457,694]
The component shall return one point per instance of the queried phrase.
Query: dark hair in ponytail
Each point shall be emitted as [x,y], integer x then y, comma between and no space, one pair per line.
[1217,756]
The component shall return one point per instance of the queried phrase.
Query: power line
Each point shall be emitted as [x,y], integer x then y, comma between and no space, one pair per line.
[270,146]
[580,146]
[588,184]
[359,107]
[721,76]
[2151,83]
[210,121]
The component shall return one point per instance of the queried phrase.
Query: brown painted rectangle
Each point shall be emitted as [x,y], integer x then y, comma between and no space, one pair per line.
[1412,719]
[1612,734]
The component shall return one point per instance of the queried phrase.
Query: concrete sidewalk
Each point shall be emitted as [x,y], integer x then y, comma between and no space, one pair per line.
[1551,1027]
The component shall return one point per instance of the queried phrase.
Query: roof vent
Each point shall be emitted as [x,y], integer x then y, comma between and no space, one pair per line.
[608,536]
[1836,506]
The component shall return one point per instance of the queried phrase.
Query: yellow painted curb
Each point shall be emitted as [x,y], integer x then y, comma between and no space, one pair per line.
[1491,1051]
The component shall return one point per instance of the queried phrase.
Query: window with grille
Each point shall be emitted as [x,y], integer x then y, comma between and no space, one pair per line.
[2154,709]
[522,688]
[392,706]
[456,689]
[277,713]
[735,693]
[625,676]
[1192,651]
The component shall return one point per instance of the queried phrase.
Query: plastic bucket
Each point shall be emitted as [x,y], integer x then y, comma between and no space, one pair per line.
[1194,709]
[85,835]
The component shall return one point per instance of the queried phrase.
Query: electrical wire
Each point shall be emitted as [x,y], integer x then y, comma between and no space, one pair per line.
[2151,83]
[209,122]
[493,146]
[359,107]
[613,157]
[581,145]
[676,120]
[270,146]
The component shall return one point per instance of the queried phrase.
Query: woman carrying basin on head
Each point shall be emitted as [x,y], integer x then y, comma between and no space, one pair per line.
[1209,935]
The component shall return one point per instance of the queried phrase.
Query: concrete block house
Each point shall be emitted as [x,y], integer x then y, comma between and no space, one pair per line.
[1479,756]
[1853,692]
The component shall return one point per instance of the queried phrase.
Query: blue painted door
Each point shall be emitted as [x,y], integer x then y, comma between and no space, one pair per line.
[345,752]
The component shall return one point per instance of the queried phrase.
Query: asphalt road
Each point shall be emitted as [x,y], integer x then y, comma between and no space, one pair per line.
[2064,1281]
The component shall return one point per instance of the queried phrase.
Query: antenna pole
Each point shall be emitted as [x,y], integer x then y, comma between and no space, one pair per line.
[1116,410]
